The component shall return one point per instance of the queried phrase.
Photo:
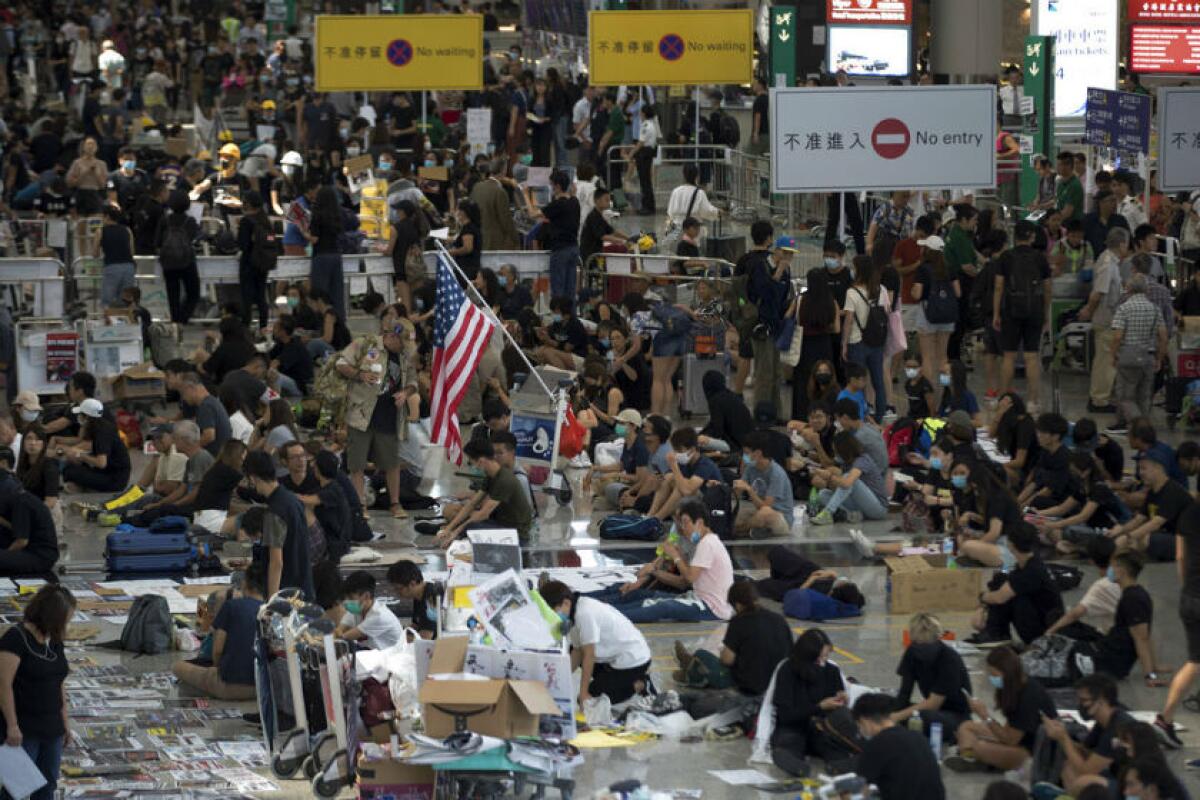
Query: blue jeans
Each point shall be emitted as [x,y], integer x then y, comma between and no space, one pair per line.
[318,349]
[564,263]
[646,605]
[857,498]
[46,753]
[872,359]
[327,274]
[115,279]
[288,387]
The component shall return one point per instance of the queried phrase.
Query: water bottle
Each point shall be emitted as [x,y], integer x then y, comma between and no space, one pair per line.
[802,516]
[935,739]
[915,724]
[948,546]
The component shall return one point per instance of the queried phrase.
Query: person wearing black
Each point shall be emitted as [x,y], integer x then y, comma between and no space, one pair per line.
[807,688]
[332,510]
[37,468]
[769,287]
[28,541]
[468,245]
[210,509]
[818,316]
[100,462]
[235,351]
[283,532]
[1128,640]
[1187,560]
[565,339]
[895,759]
[597,231]
[405,236]
[1048,482]
[325,229]
[252,229]
[1109,453]
[247,381]
[34,667]
[1015,434]
[290,357]
[406,578]
[1026,598]
[173,242]
[790,571]
[561,236]
[115,246]
[728,418]
[1153,529]
[938,671]
[1093,758]
[145,217]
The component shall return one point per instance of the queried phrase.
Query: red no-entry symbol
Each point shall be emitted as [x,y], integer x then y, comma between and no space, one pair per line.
[670,47]
[399,52]
[891,138]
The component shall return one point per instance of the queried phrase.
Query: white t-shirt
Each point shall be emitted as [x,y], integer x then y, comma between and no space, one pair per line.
[617,641]
[649,133]
[1101,600]
[581,111]
[381,627]
[240,427]
[112,68]
[856,303]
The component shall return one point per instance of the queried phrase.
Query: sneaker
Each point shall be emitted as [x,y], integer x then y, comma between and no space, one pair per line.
[824,518]
[854,517]
[961,763]
[108,520]
[864,545]
[1192,763]
[890,413]
[1166,733]
[682,655]
[1045,790]
[581,461]
[1120,429]
[985,641]
[83,508]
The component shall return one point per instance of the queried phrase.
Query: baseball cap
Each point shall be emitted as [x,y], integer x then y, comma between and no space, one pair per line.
[27,400]
[632,416]
[948,216]
[1160,457]
[786,242]
[933,243]
[960,417]
[90,407]
[159,430]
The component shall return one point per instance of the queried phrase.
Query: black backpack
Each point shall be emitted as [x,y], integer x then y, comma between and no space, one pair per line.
[729,131]
[264,251]
[175,254]
[1023,289]
[718,498]
[979,308]
[941,307]
[875,331]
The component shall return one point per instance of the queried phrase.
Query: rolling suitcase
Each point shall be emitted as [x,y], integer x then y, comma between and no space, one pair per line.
[691,395]
[139,550]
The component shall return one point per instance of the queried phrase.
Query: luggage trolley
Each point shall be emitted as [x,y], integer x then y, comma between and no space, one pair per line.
[330,763]
[539,407]
[279,621]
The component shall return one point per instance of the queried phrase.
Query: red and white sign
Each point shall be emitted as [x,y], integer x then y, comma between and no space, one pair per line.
[1164,48]
[1163,11]
[877,12]
[891,138]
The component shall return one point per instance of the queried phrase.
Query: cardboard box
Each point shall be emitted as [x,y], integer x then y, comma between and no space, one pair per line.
[501,708]
[924,583]
[138,382]
[394,780]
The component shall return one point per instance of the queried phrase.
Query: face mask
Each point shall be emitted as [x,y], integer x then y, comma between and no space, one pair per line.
[746,459]
[449,163]
[1111,573]
[832,263]
[502,280]
[293,302]
[292,81]
[289,169]
[912,373]
[556,318]
[353,607]
[431,613]
[29,416]
[353,150]
[604,344]
[823,378]
[997,681]
[129,165]
[944,379]
[429,162]
[564,617]
[683,458]
[695,537]
[935,462]
[620,430]
[264,79]
[526,159]
[958,481]
[385,166]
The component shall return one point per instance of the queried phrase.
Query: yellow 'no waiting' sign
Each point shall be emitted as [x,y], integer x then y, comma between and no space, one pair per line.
[357,53]
[670,47]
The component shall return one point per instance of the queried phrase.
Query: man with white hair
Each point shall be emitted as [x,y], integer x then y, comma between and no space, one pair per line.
[1139,345]
[112,65]
[186,436]
[1100,309]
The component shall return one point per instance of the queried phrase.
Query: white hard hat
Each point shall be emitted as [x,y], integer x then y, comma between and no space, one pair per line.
[292,159]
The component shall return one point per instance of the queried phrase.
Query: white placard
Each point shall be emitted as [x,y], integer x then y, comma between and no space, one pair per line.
[881,138]
[1087,44]
[479,129]
[1178,137]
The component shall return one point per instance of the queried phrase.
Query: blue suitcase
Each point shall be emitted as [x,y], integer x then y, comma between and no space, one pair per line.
[139,550]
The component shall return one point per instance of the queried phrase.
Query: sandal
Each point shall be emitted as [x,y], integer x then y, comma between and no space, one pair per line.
[398,511]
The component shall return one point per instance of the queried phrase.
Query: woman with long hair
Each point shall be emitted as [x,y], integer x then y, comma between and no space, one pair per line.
[807,689]
[210,509]
[241,419]
[989,511]
[1021,700]
[818,315]
[627,363]
[487,283]
[955,394]
[468,245]
[326,227]
[39,472]
[861,297]
[276,428]
[934,276]
[859,489]
[541,126]
[1015,435]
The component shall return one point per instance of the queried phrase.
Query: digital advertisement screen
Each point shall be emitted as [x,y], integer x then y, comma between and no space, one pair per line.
[868,51]
[878,12]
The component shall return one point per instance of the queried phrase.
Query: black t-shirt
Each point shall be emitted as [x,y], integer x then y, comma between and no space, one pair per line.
[128,187]
[760,639]
[916,391]
[1101,737]
[216,487]
[229,355]
[1116,649]
[53,205]
[309,485]
[1189,529]
[341,334]
[924,276]
[1018,432]
[44,479]
[28,519]
[107,441]
[840,282]
[249,389]
[570,331]
[1033,581]
[424,608]
[1169,503]
[761,107]
[1032,702]
[402,118]
[333,513]
[383,416]
[297,562]
[1053,472]
[37,684]
[469,261]
[901,763]
[1109,508]
[1023,252]
[563,231]
[591,239]
[687,250]
[935,669]
[294,361]
[1112,457]
[1001,505]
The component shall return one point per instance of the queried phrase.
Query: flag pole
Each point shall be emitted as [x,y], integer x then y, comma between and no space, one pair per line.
[491,315]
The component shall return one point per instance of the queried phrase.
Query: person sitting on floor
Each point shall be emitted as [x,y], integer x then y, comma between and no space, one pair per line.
[766,488]
[1091,504]
[709,573]
[1049,483]
[895,759]
[1090,762]
[611,654]
[1153,530]
[1094,613]
[1024,703]
[366,620]
[231,677]
[938,671]
[632,467]
[180,502]
[28,539]
[754,643]
[656,432]
[807,688]
[1025,598]
[859,489]
[690,471]
[729,419]
[408,582]
[988,510]
[100,461]
[500,502]
[1128,640]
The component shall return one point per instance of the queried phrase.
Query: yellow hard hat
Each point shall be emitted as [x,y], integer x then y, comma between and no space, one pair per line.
[204,155]
[225,136]
[268,104]
[231,150]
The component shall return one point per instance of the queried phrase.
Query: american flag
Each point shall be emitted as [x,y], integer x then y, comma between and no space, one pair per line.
[460,332]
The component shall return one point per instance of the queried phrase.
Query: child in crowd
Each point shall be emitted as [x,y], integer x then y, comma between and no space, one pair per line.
[917,389]
[856,385]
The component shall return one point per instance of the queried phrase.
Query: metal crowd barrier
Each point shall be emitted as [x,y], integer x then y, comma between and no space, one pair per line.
[47,278]
[530,264]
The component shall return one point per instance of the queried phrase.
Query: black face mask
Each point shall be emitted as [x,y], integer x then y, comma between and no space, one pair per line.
[823,378]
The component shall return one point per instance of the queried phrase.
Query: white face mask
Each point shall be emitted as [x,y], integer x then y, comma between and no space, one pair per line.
[29,416]
[683,458]
[912,373]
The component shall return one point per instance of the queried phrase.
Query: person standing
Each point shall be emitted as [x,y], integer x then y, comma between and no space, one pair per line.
[963,262]
[283,528]
[643,155]
[768,287]
[613,134]
[760,120]
[253,228]
[115,246]
[325,233]
[1139,346]
[1069,194]
[33,670]
[864,297]
[496,219]
[1187,562]
[1099,223]
[1100,310]
[177,231]
[561,216]
[1021,308]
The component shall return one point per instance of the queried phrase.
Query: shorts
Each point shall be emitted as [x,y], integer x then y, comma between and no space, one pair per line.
[910,316]
[925,326]
[378,448]
[991,341]
[1008,561]
[1161,546]
[669,346]
[1018,334]
[1189,614]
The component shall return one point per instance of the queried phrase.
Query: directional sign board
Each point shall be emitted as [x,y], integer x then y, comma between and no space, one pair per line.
[360,53]
[862,138]
[1118,119]
[671,48]
[1178,139]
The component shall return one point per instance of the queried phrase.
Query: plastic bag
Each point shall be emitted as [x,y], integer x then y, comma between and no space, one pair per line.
[598,711]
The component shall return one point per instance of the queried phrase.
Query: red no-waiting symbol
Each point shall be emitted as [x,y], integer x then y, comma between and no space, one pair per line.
[399,52]
[670,47]
[891,138]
